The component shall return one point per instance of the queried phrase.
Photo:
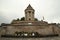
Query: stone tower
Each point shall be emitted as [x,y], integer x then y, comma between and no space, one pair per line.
[29,13]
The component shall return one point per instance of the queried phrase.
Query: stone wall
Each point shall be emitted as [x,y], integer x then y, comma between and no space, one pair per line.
[40,29]
[48,38]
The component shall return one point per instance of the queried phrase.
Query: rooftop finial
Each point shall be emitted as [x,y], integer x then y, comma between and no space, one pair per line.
[43,17]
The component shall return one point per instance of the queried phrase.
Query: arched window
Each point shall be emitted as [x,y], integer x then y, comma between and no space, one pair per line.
[29,11]
[29,18]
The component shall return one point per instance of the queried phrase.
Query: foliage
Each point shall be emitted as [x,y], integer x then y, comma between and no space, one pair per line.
[23,18]
[36,19]
[17,19]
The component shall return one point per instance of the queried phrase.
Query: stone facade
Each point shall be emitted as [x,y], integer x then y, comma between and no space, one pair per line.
[29,25]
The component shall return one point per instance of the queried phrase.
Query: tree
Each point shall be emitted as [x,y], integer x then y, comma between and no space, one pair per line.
[17,19]
[23,18]
[36,19]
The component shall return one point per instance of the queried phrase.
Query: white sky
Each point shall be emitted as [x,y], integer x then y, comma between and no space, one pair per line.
[13,9]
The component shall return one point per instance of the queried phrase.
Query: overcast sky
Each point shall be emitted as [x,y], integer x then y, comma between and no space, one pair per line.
[13,9]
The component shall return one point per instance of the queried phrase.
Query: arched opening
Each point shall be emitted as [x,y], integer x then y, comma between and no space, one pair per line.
[29,18]
[29,11]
